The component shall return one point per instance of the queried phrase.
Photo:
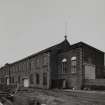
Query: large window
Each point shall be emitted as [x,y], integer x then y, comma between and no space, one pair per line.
[37,79]
[64,65]
[73,64]
[44,78]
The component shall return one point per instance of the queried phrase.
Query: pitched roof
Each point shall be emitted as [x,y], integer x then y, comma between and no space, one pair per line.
[64,43]
[80,44]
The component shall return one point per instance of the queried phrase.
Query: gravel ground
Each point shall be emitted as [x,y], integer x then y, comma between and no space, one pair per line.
[55,98]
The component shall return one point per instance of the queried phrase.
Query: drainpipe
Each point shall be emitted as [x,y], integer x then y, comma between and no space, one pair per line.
[82,68]
[9,73]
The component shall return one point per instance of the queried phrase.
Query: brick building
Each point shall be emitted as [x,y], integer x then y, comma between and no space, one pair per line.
[60,66]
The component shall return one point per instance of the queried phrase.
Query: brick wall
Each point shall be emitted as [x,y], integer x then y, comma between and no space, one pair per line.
[27,67]
[73,79]
[94,57]
[96,82]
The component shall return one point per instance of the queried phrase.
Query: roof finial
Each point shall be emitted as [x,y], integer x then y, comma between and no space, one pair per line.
[66,27]
[65,37]
[66,24]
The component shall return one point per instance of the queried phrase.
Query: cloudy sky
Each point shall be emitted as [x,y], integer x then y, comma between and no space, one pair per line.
[28,26]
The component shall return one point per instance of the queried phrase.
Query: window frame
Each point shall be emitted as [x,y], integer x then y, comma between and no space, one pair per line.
[73,64]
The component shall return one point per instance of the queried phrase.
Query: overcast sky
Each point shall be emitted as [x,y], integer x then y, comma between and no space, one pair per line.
[28,26]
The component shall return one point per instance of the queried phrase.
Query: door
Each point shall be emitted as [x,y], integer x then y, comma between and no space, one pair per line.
[26,82]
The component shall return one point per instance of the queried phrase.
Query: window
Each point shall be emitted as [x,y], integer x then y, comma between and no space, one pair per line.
[44,78]
[37,62]
[73,64]
[64,65]
[45,60]
[19,67]
[11,70]
[30,66]
[11,79]
[73,58]
[59,68]
[2,80]
[19,79]
[14,70]
[27,66]
[23,66]
[89,60]
[31,79]
[37,79]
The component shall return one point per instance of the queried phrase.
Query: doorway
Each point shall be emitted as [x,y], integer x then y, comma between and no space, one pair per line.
[26,82]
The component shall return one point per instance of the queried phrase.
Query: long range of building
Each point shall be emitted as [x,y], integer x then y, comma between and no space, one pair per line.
[61,66]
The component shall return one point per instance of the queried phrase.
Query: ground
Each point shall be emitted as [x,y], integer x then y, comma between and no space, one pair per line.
[59,97]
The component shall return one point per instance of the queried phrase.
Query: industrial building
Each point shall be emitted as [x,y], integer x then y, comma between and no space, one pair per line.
[62,66]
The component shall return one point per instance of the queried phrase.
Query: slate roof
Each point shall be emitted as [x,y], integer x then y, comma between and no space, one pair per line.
[81,44]
[50,49]
[64,44]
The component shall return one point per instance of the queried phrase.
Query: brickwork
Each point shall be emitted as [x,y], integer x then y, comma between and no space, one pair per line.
[60,66]
[27,67]
[95,57]
[74,80]
[97,82]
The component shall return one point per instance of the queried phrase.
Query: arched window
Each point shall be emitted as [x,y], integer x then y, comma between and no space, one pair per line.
[73,64]
[64,65]
[64,60]
[73,58]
